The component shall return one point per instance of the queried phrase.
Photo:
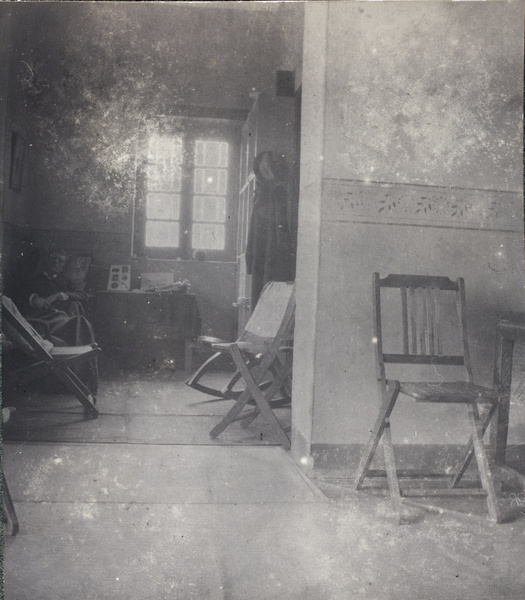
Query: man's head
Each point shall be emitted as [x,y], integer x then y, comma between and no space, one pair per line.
[55,262]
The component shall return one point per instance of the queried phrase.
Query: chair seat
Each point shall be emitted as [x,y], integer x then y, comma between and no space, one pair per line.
[208,340]
[66,351]
[247,347]
[456,392]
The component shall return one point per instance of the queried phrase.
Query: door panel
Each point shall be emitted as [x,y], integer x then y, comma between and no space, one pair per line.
[271,125]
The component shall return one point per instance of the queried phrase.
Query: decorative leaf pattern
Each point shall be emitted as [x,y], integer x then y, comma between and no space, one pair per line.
[434,206]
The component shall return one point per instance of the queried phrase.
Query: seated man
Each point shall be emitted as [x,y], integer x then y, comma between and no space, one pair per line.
[54,310]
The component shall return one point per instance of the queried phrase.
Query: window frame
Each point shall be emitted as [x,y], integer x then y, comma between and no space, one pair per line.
[190,129]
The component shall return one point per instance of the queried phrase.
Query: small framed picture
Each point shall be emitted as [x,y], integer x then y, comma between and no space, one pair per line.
[119,278]
[18,150]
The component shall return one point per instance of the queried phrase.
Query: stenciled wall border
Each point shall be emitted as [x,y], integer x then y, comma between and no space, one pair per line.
[426,206]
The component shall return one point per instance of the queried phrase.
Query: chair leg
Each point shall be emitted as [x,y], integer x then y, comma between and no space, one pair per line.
[231,395]
[261,399]
[275,369]
[391,471]
[249,418]
[460,471]
[10,517]
[241,400]
[483,463]
[232,414]
[227,390]
[78,388]
[283,374]
[277,384]
[375,436]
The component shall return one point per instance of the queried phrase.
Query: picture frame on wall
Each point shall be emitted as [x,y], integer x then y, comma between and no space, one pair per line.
[18,150]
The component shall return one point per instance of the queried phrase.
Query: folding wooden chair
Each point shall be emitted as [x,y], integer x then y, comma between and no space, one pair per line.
[416,319]
[263,361]
[48,359]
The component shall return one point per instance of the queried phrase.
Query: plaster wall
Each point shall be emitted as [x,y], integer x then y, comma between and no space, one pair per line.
[346,392]
[425,92]
[421,160]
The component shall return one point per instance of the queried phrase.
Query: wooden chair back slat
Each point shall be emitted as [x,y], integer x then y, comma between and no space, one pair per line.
[422,331]
[413,319]
[404,317]
[419,281]
[431,321]
[462,310]
[423,320]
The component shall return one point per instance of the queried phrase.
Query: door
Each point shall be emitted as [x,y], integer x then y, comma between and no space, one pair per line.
[246,192]
[271,125]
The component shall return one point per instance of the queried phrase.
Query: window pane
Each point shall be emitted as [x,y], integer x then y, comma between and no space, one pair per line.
[208,237]
[211,154]
[163,206]
[163,169]
[223,154]
[199,153]
[209,208]
[222,182]
[163,176]
[210,181]
[165,147]
[162,234]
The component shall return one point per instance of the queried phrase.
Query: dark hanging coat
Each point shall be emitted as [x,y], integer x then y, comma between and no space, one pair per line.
[270,252]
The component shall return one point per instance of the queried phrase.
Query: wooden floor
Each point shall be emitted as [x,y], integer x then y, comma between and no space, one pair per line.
[140,504]
[141,409]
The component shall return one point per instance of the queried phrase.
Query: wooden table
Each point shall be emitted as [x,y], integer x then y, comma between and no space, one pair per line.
[510,329]
[146,328]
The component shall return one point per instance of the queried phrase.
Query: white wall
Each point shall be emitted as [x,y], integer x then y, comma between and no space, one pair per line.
[411,162]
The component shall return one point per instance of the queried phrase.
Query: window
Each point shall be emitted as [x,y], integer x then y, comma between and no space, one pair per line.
[209,199]
[163,188]
[185,195]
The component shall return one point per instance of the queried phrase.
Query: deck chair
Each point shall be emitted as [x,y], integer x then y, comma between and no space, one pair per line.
[419,324]
[48,359]
[263,360]
[208,344]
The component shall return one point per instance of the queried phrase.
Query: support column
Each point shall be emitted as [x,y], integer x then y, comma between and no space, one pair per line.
[309,238]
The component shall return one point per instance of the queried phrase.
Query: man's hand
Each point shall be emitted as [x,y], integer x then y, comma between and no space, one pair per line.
[78,295]
[58,297]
